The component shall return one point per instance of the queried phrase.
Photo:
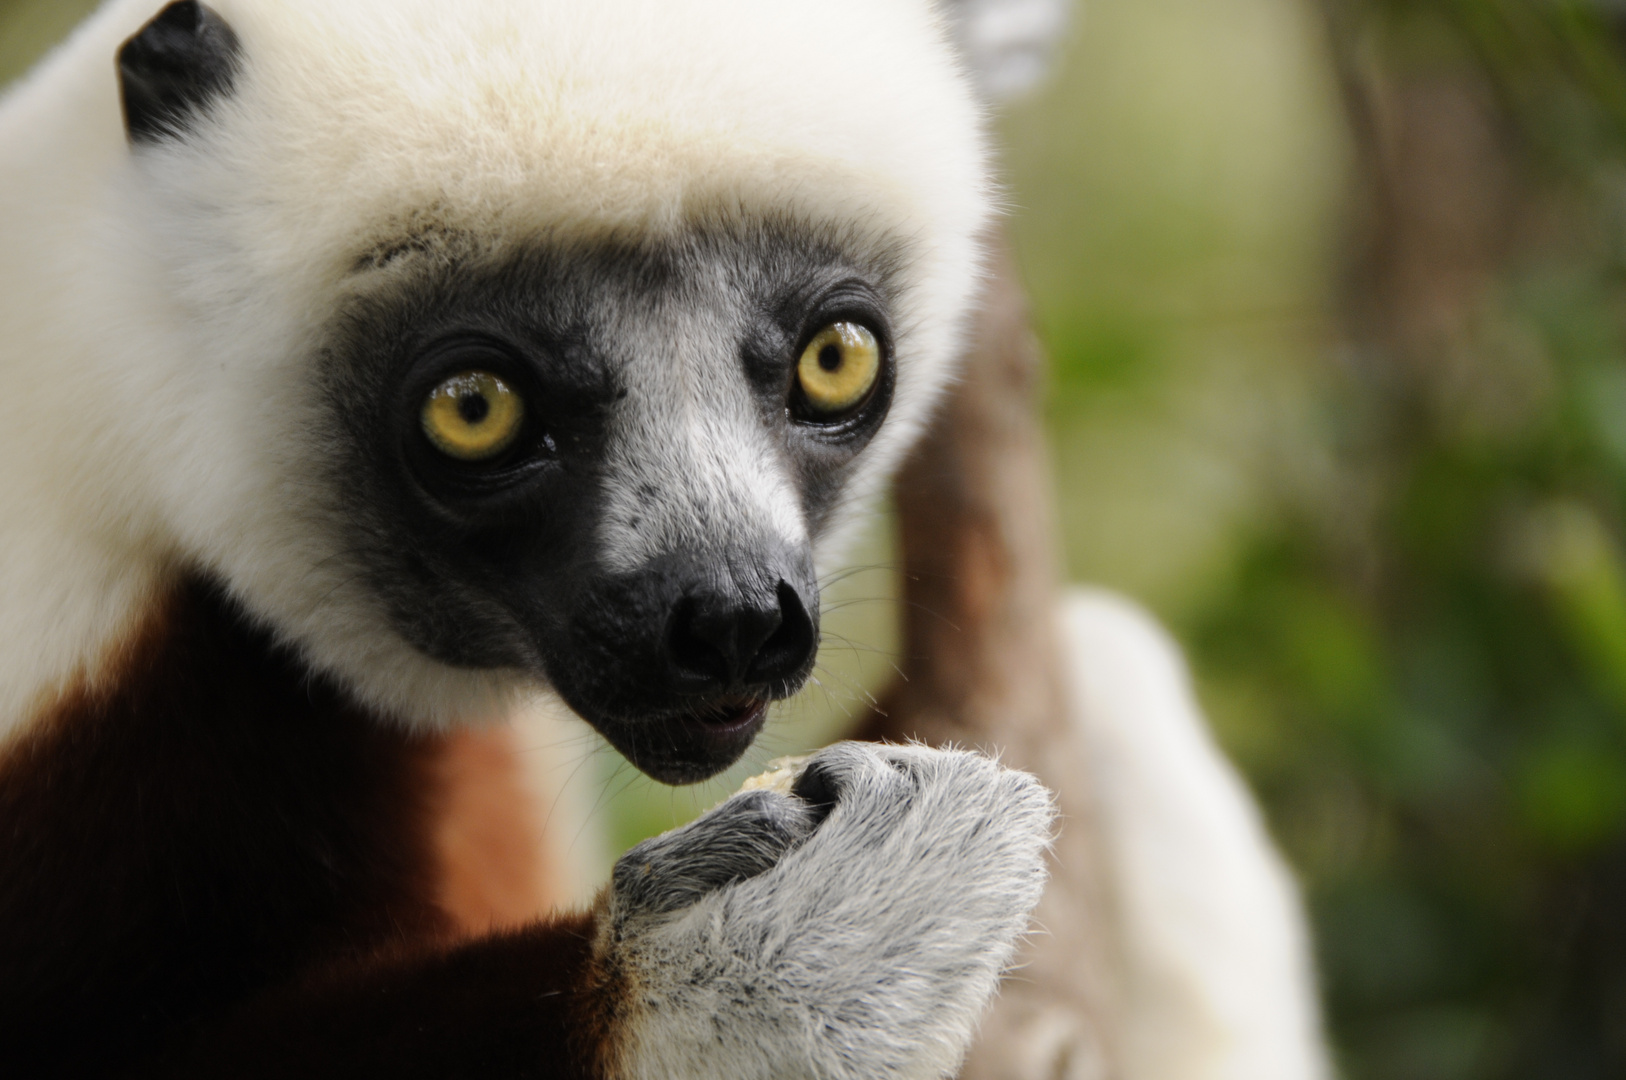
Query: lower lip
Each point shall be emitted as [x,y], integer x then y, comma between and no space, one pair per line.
[731,720]
[687,747]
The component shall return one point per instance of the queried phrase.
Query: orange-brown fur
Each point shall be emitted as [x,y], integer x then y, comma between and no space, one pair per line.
[496,870]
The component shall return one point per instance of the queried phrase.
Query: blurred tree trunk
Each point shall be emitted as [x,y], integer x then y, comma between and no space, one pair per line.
[981,668]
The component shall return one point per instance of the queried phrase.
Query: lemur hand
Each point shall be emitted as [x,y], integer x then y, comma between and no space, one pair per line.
[854,929]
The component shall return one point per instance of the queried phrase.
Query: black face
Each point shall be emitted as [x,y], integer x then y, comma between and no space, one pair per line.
[514,443]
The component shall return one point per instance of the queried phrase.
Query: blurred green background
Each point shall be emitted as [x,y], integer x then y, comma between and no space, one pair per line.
[1334,295]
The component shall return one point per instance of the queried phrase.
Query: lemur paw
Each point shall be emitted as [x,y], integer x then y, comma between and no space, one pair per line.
[854,929]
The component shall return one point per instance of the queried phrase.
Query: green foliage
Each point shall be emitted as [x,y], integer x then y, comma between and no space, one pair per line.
[1398,561]
[29,27]
[1444,667]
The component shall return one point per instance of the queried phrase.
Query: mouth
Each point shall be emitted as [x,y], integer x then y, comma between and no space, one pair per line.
[728,719]
[689,746]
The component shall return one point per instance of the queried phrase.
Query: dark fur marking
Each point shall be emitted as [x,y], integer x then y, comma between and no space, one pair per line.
[744,837]
[174,68]
[501,566]
[429,240]
[523,1004]
[212,859]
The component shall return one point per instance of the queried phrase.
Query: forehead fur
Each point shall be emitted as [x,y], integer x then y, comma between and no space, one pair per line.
[504,116]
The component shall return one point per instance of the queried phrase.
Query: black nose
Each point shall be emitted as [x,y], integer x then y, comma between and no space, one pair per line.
[718,641]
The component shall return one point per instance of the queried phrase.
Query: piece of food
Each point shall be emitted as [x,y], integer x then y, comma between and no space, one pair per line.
[779,776]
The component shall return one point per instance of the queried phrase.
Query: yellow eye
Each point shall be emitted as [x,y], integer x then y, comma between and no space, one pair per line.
[838,367]
[472,416]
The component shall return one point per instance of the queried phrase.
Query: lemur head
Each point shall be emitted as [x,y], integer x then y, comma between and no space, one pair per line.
[534,343]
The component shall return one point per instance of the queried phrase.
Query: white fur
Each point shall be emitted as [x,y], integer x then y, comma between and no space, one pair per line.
[1219,984]
[162,308]
[690,459]
[940,856]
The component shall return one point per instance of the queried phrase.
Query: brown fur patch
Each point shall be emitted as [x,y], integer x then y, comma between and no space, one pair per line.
[207,853]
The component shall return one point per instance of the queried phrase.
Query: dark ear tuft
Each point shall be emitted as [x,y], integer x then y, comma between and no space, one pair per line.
[169,72]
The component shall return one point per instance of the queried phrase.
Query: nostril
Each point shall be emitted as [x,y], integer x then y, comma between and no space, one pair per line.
[721,638]
[730,643]
[690,652]
[788,648]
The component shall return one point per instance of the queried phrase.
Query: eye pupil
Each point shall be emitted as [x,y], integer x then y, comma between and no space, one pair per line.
[837,370]
[472,416]
[473,408]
